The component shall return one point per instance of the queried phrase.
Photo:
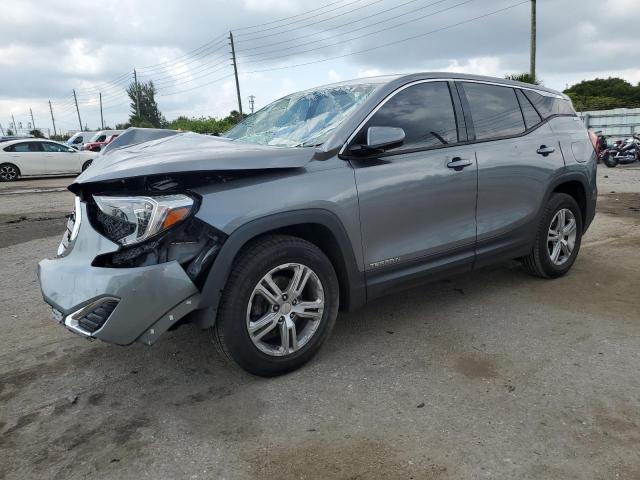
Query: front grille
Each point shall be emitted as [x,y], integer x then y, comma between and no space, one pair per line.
[94,319]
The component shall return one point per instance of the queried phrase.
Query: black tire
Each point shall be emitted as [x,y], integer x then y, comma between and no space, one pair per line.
[9,172]
[610,161]
[230,331]
[86,164]
[538,262]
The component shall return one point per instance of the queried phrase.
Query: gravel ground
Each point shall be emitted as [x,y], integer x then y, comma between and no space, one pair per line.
[492,375]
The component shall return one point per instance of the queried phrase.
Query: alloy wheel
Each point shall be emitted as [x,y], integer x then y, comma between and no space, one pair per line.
[561,238]
[8,173]
[285,309]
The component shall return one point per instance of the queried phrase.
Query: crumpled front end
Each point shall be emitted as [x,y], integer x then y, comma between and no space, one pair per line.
[112,302]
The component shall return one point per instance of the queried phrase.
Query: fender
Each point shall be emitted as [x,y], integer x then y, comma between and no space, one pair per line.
[217,278]
[572,176]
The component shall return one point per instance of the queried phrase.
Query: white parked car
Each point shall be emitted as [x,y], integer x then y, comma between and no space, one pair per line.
[34,156]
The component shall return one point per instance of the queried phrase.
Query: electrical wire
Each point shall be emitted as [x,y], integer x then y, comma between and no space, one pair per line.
[406,39]
[316,22]
[385,20]
[376,32]
[350,24]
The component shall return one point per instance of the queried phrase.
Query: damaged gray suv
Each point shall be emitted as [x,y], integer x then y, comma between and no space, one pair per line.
[317,203]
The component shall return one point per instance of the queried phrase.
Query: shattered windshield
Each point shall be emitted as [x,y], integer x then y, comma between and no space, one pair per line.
[302,119]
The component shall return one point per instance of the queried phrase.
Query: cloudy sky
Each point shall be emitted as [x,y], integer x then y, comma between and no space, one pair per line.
[49,47]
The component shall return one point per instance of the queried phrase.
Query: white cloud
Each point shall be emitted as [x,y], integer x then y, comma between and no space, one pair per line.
[46,50]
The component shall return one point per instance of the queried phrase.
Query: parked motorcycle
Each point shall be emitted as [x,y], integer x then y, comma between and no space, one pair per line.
[622,153]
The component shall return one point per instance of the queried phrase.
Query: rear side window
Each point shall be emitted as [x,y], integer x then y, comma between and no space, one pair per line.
[26,147]
[548,106]
[531,117]
[494,110]
[425,113]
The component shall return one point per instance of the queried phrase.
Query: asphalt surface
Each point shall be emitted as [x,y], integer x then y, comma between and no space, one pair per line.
[492,375]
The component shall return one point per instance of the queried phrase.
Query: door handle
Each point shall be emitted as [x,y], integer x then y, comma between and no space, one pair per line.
[458,163]
[545,151]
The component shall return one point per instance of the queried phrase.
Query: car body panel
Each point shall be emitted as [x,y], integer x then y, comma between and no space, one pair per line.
[69,282]
[512,181]
[192,152]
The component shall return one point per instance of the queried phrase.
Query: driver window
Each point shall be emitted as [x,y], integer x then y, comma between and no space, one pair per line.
[425,113]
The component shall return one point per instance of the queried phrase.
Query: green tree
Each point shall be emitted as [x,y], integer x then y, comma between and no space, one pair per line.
[149,115]
[524,77]
[36,133]
[604,94]
[208,125]
[9,132]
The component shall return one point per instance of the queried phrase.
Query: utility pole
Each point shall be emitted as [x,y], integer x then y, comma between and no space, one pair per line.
[135,79]
[532,62]
[53,120]
[235,71]
[101,117]
[33,122]
[77,109]
[252,100]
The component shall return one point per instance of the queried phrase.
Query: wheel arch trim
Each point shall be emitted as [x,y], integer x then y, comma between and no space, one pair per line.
[223,264]
[581,179]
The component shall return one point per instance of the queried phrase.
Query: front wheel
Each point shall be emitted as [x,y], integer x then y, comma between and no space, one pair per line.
[9,172]
[278,307]
[86,165]
[558,238]
[610,161]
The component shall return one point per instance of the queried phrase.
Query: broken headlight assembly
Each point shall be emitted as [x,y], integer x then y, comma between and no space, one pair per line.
[132,220]
[155,229]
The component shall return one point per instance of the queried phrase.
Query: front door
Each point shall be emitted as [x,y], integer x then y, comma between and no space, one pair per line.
[418,200]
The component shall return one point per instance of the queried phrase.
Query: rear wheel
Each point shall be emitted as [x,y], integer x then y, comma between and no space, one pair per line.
[9,172]
[278,307]
[558,238]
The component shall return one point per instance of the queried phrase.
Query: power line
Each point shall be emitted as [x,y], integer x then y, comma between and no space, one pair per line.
[349,24]
[406,39]
[196,87]
[385,20]
[188,59]
[293,16]
[242,40]
[415,19]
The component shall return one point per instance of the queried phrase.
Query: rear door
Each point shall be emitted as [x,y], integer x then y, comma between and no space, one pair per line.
[518,155]
[417,209]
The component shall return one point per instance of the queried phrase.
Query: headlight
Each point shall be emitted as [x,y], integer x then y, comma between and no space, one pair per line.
[129,220]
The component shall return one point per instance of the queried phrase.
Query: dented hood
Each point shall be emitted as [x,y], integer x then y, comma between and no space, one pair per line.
[188,152]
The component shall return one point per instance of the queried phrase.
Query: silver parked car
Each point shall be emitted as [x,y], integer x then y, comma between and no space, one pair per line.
[317,203]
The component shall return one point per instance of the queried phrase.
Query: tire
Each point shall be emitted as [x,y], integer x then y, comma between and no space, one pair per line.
[9,172]
[276,256]
[610,161]
[86,165]
[539,262]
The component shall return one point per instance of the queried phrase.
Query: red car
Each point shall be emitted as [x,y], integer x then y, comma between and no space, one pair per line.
[97,146]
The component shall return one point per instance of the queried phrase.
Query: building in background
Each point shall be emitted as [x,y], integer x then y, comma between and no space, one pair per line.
[616,124]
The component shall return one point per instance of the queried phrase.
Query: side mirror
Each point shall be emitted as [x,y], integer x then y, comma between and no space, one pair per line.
[384,137]
[379,139]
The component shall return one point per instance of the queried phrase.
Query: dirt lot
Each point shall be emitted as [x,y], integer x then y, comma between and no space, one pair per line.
[493,375]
